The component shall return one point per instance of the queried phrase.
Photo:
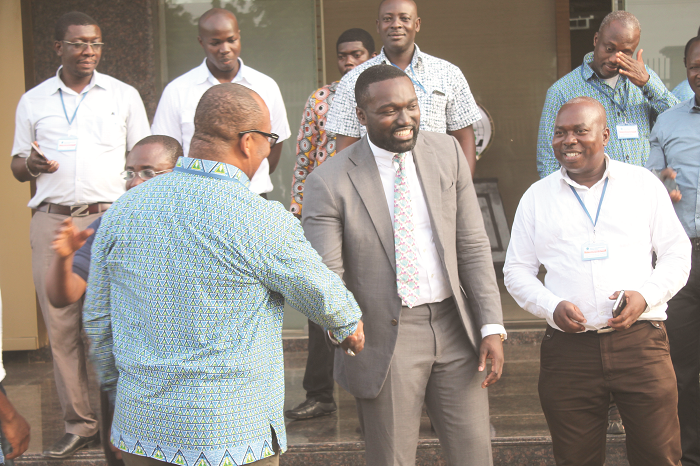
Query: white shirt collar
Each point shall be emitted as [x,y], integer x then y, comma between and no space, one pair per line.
[383,156]
[205,74]
[564,176]
[97,80]
[416,61]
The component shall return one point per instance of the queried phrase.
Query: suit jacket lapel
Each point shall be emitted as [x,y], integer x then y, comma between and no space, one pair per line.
[365,178]
[425,160]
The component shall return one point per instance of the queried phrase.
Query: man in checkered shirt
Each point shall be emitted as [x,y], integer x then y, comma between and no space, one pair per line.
[445,100]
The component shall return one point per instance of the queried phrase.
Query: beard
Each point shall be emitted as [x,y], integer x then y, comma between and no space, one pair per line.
[389,143]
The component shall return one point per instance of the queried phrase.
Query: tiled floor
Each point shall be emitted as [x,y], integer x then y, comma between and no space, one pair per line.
[515,409]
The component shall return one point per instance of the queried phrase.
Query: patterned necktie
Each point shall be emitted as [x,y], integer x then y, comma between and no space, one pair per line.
[404,243]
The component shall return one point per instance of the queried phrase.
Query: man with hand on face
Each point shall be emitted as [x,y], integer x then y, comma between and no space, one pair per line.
[407,237]
[631,93]
[188,279]
[220,39]
[66,278]
[314,145]
[84,122]
[444,97]
[594,225]
[675,150]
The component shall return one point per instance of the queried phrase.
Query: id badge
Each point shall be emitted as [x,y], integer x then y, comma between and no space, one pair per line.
[67,145]
[594,251]
[627,132]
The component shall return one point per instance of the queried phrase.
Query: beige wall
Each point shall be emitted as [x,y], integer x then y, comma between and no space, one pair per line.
[507,51]
[19,320]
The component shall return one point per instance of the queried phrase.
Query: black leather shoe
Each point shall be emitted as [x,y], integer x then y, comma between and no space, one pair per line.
[69,444]
[310,409]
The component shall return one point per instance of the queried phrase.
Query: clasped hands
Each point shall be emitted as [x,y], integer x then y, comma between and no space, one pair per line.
[354,343]
[570,319]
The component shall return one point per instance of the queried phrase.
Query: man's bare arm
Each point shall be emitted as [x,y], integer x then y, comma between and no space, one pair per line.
[465,137]
[274,157]
[342,141]
[14,427]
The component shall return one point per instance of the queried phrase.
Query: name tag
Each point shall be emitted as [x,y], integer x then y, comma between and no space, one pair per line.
[594,251]
[627,132]
[67,145]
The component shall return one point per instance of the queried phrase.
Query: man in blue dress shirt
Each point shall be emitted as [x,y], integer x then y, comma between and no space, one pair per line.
[675,150]
[185,298]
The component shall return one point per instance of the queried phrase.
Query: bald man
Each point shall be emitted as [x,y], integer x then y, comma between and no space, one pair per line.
[193,319]
[220,39]
[594,225]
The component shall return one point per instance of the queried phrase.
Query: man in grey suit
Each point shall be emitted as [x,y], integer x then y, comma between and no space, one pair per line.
[396,216]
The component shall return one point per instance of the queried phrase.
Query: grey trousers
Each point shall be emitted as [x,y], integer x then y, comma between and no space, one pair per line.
[64,326]
[435,363]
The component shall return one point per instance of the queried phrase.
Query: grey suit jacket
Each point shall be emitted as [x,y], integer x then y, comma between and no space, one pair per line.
[347,221]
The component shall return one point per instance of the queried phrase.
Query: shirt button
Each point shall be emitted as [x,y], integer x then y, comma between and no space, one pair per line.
[627,157]
[619,114]
[394,322]
[432,275]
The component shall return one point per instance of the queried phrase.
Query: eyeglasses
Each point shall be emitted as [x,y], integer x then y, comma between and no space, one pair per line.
[272,137]
[82,46]
[145,175]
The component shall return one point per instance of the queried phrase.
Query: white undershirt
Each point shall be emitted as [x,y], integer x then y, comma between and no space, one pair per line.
[612,81]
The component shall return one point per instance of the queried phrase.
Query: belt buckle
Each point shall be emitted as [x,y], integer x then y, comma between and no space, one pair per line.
[79,210]
[605,330]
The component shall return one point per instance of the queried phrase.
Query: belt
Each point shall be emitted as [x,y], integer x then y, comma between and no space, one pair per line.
[82,210]
[696,243]
[610,329]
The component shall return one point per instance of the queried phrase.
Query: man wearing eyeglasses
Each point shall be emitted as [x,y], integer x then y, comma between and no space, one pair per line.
[82,122]
[220,39]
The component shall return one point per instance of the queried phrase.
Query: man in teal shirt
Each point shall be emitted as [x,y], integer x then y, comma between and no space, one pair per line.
[185,297]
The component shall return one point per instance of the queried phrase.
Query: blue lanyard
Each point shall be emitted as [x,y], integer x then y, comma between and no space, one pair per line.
[605,186]
[622,106]
[414,81]
[70,120]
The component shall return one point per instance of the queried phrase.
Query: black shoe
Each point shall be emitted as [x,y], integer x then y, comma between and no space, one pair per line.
[69,444]
[310,409]
[615,426]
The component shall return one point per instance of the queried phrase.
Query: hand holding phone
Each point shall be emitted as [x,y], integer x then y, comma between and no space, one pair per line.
[35,146]
[620,304]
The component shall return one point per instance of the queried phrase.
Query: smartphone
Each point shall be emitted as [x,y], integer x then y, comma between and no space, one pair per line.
[620,304]
[38,151]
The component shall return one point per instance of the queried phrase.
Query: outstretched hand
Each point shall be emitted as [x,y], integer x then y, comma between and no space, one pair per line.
[635,70]
[69,239]
[491,348]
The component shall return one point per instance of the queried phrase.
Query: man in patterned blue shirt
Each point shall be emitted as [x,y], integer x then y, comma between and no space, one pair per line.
[185,299]
[632,94]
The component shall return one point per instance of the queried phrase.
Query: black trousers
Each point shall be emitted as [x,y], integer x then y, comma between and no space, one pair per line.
[318,378]
[683,326]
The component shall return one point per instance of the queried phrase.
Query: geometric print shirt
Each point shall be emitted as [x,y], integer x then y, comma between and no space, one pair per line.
[184,310]
[444,98]
[314,143]
[627,104]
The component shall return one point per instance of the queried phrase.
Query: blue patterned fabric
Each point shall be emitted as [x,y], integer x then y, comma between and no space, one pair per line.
[683,91]
[626,104]
[184,308]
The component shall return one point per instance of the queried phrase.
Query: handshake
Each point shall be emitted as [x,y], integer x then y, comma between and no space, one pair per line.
[352,344]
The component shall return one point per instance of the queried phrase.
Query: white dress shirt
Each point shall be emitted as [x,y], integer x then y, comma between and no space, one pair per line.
[175,114]
[434,286]
[636,219]
[110,119]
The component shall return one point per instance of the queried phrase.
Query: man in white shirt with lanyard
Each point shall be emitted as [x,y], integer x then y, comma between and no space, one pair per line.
[593,225]
[220,38]
[83,122]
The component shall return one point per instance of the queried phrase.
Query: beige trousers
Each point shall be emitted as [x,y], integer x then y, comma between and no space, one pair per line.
[64,326]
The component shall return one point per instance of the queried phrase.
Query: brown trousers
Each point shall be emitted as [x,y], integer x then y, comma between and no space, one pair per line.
[64,326]
[578,372]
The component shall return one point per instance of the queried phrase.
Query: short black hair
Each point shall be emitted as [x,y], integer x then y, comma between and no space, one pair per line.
[687,46]
[371,75]
[357,35]
[172,148]
[74,18]
[224,111]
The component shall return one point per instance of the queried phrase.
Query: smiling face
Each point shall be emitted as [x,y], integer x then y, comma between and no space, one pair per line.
[221,40]
[616,37]
[397,24]
[76,62]
[391,114]
[692,64]
[351,54]
[580,137]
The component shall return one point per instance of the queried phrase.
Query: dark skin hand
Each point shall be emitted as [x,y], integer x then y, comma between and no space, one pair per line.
[633,69]
[356,341]
[14,427]
[37,164]
[569,317]
[636,304]
[671,173]
[491,348]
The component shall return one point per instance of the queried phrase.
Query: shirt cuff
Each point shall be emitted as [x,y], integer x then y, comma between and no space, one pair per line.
[342,333]
[493,329]
[653,90]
